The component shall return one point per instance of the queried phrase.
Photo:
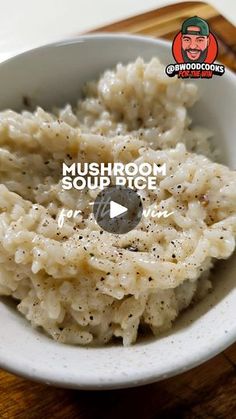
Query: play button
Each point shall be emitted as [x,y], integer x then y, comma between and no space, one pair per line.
[118,210]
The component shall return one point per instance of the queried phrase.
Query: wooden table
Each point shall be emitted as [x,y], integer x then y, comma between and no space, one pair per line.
[208,391]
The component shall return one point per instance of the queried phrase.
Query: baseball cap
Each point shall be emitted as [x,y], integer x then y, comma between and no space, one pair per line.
[195,21]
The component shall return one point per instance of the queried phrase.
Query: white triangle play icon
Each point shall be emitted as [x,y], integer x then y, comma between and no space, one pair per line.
[116,209]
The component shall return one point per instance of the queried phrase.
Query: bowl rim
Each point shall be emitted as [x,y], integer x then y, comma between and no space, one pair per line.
[100,36]
[40,375]
[21,369]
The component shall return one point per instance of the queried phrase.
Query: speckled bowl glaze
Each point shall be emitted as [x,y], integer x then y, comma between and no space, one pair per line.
[53,75]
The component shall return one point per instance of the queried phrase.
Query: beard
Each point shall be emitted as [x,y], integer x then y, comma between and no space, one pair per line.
[201,58]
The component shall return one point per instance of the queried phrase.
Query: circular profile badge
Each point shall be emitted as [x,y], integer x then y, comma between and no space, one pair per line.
[195,49]
[195,42]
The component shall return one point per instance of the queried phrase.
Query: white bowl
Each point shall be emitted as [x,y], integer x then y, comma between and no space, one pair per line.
[53,75]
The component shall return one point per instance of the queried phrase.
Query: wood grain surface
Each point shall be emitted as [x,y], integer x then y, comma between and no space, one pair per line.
[208,391]
[166,23]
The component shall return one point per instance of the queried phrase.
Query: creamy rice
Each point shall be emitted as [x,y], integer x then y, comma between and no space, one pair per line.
[81,284]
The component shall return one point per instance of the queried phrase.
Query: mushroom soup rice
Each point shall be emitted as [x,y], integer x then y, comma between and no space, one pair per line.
[79,283]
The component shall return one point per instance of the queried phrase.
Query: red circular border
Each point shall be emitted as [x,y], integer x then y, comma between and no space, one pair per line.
[211,53]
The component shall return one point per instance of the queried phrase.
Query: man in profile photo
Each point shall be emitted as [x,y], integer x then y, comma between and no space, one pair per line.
[195,40]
